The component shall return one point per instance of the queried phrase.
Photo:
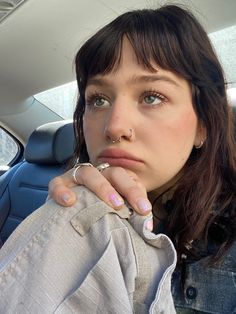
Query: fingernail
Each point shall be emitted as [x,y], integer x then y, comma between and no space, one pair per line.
[116,200]
[65,197]
[149,225]
[144,205]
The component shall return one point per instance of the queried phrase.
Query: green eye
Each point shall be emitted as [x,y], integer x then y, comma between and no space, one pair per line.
[101,102]
[152,100]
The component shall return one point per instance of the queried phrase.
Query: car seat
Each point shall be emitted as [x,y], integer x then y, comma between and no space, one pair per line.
[24,187]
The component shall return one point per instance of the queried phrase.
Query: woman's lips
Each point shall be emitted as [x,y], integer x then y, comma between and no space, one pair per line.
[119,158]
[120,162]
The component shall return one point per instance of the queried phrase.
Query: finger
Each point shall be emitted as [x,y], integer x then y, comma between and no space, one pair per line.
[98,184]
[59,189]
[130,187]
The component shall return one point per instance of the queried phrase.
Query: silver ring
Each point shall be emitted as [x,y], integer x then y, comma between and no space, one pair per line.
[76,168]
[102,167]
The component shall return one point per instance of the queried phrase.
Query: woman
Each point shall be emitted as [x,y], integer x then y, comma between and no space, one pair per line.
[153,91]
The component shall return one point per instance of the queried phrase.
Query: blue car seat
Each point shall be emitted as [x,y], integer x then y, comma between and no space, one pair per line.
[24,187]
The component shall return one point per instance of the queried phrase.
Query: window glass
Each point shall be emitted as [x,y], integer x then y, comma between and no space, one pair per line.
[61,99]
[232,96]
[9,148]
[224,42]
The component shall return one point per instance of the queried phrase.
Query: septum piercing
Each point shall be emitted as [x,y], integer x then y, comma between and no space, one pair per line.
[119,138]
[116,141]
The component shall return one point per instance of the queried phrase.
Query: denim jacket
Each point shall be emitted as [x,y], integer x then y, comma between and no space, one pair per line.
[206,289]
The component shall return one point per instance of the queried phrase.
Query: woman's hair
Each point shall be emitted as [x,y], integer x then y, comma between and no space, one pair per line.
[204,201]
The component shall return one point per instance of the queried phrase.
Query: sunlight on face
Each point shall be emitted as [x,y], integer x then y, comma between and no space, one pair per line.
[157,107]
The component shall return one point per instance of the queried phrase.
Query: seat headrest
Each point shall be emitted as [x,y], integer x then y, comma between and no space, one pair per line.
[51,143]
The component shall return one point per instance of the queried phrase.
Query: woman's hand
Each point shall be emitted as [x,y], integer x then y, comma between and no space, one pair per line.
[112,186]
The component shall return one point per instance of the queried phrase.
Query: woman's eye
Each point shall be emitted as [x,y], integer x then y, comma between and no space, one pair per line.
[97,101]
[101,102]
[153,99]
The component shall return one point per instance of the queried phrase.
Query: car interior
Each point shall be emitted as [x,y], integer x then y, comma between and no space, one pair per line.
[39,40]
[24,187]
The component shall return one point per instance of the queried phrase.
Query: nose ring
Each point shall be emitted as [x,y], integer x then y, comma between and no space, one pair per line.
[118,140]
[131,133]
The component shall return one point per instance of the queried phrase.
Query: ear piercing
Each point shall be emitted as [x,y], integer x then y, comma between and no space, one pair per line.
[200,145]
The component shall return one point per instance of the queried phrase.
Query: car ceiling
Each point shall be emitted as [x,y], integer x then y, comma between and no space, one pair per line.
[40,38]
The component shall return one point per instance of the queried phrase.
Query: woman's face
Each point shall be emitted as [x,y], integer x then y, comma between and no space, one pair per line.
[155,108]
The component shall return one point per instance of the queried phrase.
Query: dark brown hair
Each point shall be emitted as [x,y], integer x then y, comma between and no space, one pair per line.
[204,202]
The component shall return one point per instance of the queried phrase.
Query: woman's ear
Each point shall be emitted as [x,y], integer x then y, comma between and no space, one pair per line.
[201,135]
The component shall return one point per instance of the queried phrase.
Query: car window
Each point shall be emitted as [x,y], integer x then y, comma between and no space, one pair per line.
[224,42]
[9,149]
[61,99]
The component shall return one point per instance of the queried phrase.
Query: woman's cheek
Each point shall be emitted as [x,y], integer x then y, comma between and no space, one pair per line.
[184,129]
[87,133]
[92,136]
[88,128]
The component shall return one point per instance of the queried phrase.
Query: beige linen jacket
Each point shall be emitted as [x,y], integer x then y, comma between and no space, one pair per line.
[85,259]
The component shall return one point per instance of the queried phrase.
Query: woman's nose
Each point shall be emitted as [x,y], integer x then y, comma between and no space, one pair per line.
[119,124]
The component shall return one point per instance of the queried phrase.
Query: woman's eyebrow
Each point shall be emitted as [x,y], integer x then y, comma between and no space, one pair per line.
[101,81]
[153,78]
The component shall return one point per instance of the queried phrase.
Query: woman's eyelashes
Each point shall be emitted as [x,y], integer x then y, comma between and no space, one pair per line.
[146,98]
[97,100]
[152,98]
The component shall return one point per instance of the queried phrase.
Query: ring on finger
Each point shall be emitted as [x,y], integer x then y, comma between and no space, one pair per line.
[77,167]
[103,166]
